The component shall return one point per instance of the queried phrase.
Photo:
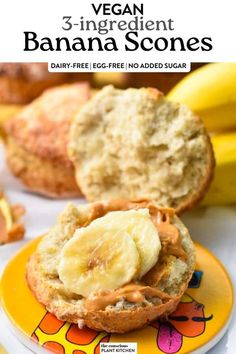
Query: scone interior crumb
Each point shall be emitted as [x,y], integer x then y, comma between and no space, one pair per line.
[136,144]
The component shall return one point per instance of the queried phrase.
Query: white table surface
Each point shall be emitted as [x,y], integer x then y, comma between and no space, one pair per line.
[215,228]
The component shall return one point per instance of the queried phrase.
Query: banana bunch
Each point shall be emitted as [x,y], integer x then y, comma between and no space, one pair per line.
[211,92]
[223,187]
[112,251]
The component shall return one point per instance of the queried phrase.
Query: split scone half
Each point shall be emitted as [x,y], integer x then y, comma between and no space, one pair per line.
[113,266]
[134,143]
[37,138]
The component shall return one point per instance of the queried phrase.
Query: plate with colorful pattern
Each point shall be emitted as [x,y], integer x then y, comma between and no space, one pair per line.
[199,322]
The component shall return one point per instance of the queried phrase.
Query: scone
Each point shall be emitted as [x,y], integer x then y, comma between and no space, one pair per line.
[113,266]
[134,143]
[37,138]
[20,83]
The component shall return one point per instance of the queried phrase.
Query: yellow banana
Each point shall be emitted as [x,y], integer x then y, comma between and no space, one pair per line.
[7,111]
[210,91]
[2,349]
[107,78]
[140,227]
[223,187]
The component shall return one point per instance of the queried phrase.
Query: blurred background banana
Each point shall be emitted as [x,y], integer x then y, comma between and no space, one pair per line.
[223,187]
[210,91]
[2,350]
[7,111]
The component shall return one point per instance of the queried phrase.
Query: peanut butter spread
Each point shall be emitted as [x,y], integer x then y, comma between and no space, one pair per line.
[10,229]
[132,293]
[161,217]
[171,245]
[169,235]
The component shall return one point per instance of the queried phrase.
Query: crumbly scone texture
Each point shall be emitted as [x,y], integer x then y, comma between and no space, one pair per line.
[37,138]
[43,279]
[134,143]
[41,176]
[42,127]
[20,83]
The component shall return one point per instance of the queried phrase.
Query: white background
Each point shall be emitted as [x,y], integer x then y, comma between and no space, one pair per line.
[211,18]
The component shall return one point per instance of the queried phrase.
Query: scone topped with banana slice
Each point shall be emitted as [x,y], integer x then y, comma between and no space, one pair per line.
[113,266]
[135,143]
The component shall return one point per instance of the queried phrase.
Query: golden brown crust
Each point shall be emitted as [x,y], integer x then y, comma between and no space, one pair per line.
[46,294]
[109,321]
[70,307]
[42,127]
[42,176]
[25,71]
[20,83]
[125,321]
[37,140]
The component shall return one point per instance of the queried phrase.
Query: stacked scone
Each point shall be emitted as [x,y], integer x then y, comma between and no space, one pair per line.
[113,266]
[20,83]
[37,139]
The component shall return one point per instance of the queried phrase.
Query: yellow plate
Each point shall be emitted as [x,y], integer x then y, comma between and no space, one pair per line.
[199,322]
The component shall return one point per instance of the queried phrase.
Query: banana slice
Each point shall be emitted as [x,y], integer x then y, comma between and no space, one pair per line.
[110,252]
[140,227]
[98,258]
